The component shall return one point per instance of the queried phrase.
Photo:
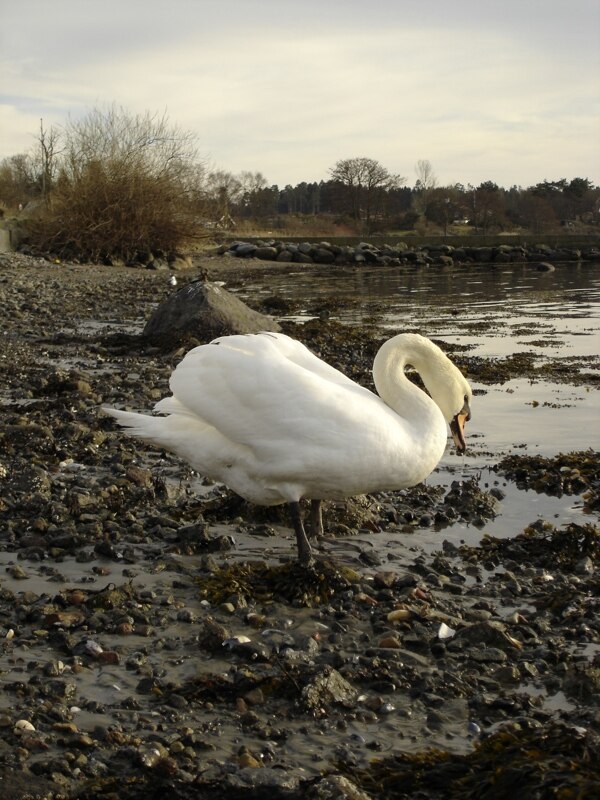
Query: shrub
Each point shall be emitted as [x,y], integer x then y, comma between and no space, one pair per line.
[125,185]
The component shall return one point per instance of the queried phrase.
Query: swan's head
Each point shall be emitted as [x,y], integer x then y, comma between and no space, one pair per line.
[457,425]
[446,384]
[454,400]
[449,389]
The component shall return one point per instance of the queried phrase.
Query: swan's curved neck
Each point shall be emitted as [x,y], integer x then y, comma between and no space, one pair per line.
[392,385]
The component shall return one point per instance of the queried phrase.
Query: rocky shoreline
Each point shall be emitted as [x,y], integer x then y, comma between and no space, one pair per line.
[400,254]
[157,638]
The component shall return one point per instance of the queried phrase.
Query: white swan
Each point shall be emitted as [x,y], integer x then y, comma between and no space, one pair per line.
[263,415]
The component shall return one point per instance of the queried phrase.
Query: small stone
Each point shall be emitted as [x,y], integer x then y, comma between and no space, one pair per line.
[254,697]
[109,657]
[328,687]
[65,727]
[337,787]
[391,642]
[124,629]
[487,655]
[508,674]
[399,615]
[23,726]
[248,760]
[585,566]
[17,572]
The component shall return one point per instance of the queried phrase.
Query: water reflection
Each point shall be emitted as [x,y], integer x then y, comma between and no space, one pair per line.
[496,311]
[571,291]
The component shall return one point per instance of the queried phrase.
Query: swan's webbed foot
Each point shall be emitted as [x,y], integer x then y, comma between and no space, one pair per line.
[305,556]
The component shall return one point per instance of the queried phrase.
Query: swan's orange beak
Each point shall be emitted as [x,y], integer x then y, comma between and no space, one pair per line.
[457,429]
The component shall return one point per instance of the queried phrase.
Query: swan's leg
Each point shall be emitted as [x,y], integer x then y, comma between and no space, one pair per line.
[304,550]
[315,519]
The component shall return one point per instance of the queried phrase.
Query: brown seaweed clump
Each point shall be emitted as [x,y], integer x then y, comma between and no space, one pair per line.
[543,545]
[499,370]
[558,762]
[567,473]
[292,583]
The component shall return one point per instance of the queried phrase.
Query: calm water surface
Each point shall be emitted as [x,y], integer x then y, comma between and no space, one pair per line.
[496,311]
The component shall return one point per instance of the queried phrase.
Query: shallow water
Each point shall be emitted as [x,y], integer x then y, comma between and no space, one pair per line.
[495,312]
[553,313]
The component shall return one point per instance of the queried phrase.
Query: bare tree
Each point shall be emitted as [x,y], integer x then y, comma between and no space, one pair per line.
[424,186]
[145,141]
[253,185]
[48,151]
[426,178]
[122,188]
[224,190]
[367,182]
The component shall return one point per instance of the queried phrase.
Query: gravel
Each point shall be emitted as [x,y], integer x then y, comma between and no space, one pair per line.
[157,637]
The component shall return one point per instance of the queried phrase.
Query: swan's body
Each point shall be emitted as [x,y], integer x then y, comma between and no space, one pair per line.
[265,416]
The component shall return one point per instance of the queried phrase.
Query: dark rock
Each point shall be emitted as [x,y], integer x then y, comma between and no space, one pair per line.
[195,538]
[244,250]
[483,254]
[326,688]
[370,256]
[302,257]
[284,255]
[266,253]
[582,683]
[205,311]
[323,256]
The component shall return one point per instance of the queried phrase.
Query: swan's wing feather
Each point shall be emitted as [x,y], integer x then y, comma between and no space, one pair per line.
[266,393]
[285,347]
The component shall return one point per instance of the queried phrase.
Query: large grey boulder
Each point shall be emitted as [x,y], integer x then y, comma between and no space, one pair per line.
[203,311]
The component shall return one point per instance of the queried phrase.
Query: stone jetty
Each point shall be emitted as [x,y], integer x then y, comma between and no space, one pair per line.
[399,254]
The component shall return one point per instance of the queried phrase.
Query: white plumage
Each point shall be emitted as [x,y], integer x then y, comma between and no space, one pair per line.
[265,416]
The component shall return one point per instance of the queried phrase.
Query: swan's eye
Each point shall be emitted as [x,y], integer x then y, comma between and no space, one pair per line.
[465,410]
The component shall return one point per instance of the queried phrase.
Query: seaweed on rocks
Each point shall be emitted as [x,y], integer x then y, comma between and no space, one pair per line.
[557,761]
[292,583]
[361,511]
[543,545]
[141,659]
[567,473]
[156,785]
[498,370]
[565,587]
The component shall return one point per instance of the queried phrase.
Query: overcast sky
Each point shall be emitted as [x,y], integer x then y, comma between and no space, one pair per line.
[505,90]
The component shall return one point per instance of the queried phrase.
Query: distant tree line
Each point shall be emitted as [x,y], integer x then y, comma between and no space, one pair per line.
[114,183]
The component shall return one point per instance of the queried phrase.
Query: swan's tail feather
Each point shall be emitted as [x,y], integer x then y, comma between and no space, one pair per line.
[140,425]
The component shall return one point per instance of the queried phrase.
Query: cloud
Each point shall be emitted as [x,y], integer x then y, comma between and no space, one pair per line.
[481,92]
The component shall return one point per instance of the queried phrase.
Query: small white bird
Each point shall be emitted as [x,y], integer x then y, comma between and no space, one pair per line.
[172,281]
[263,415]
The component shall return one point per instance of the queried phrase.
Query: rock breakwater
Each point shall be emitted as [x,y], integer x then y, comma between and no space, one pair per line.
[400,254]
